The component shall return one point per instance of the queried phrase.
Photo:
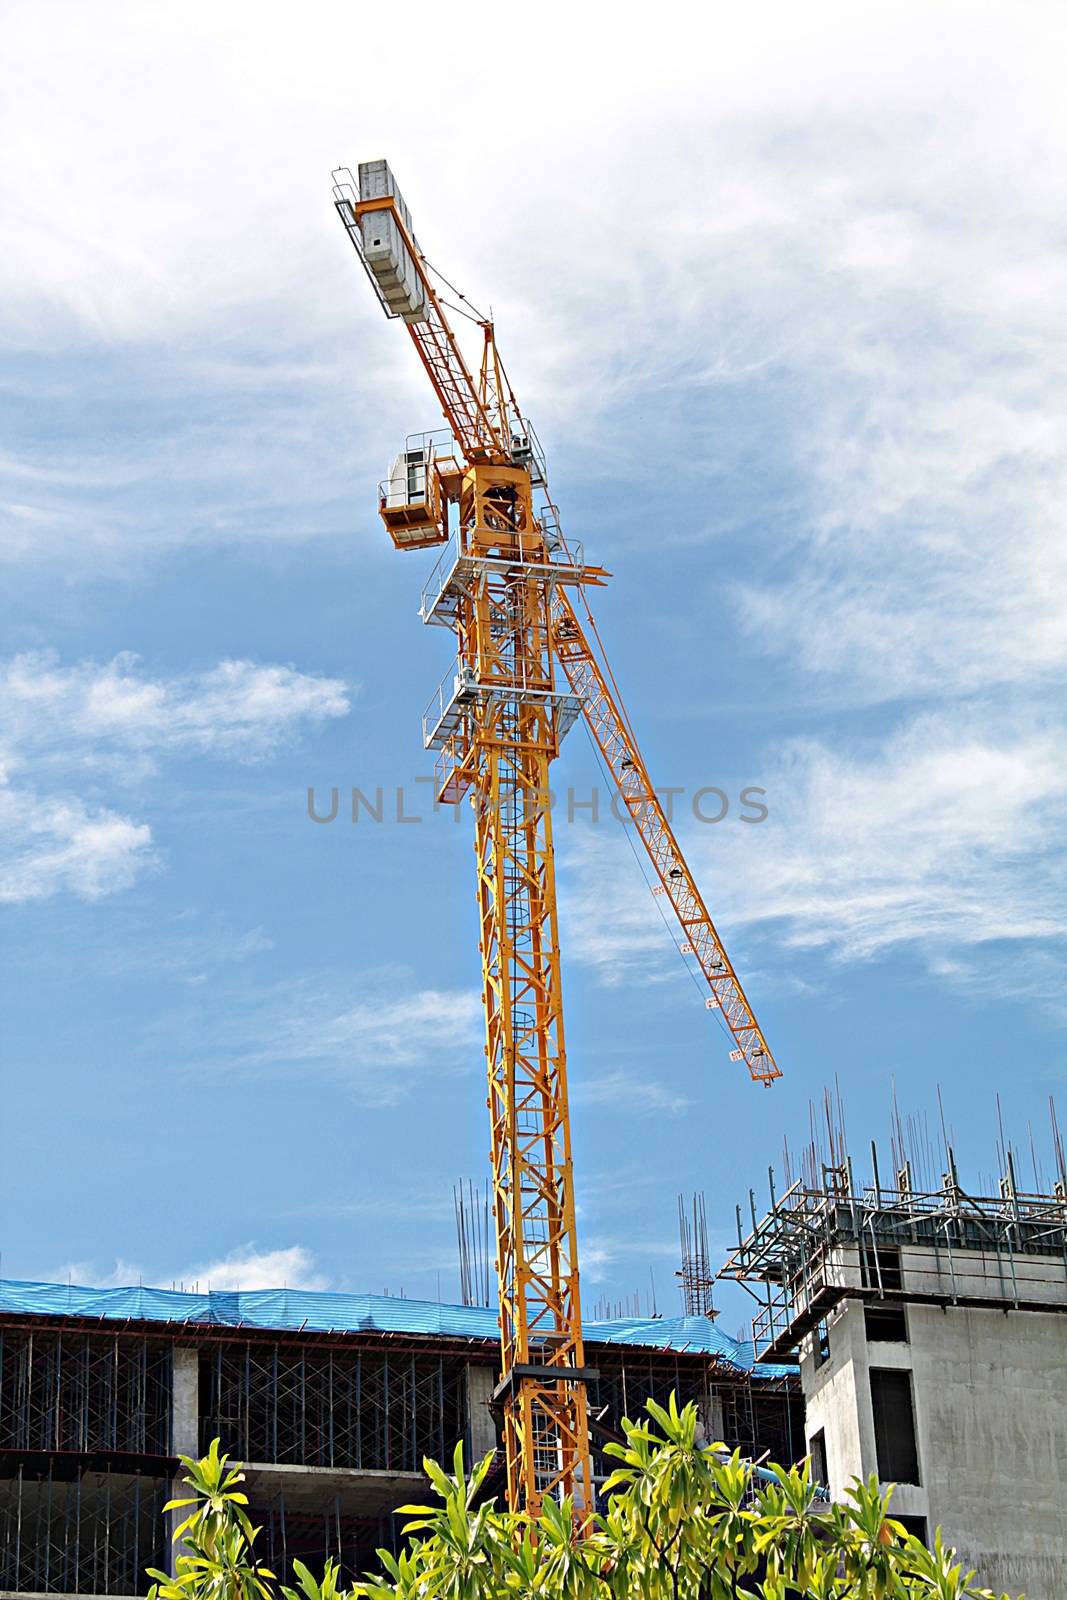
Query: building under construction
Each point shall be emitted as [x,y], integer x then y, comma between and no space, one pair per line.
[931,1330]
[332,1400]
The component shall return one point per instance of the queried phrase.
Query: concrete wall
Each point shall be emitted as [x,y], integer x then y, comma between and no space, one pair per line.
[837,1399]
[185,1401]
[992,1417]
[991,1430]
[984,1275]
[481,1382]
[955,1274]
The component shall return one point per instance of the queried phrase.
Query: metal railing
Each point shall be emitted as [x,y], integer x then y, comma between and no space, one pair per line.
[456,693]
[456,569]
[461,688]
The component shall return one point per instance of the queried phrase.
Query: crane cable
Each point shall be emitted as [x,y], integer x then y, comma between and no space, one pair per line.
[609,778]
[606,666]
[477,316]
[441,301]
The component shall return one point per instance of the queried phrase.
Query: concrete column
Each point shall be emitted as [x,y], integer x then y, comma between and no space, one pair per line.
[837,1399]
[481,1381]
[184,1430]
[711,1429]
[185,1402]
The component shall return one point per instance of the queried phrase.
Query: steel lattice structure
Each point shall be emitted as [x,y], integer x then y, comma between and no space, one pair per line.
[72,1528]
[513,735]
[614,738]
[523,674]
[85,1392]
[88,1424]
[382,1411]
[818,1245]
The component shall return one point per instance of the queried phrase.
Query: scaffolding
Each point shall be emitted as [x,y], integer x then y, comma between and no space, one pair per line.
[761,1421]
[84,1392]
[821,1243]
[384,1411]
[87,1431]
[313,1536]
[371,1410]
[68,1526]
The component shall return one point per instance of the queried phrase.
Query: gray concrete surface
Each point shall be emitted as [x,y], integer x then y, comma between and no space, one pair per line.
[991,1430]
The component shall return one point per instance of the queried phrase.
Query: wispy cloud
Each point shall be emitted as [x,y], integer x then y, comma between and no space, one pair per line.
[187,947]
[937,563]
[377,1032]
[238,709]
[245,1267]
[629,1092]
[604,1254]
[947,837]
[411,1204]
[56,844]
[610,920]
[111,724]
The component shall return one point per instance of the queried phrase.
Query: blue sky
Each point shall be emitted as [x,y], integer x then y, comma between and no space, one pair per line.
[787,307]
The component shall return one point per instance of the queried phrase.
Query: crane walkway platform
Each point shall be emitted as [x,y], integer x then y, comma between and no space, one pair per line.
[460,691]
[457,572]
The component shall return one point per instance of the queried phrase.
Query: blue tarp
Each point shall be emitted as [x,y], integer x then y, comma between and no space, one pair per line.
[317,1312]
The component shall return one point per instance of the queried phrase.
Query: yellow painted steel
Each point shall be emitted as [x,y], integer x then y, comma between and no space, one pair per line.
[606,718]
[509,603]
[501,752]
[506,631]
[507,733]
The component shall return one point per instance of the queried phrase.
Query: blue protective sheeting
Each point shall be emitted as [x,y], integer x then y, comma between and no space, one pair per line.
[300,1309]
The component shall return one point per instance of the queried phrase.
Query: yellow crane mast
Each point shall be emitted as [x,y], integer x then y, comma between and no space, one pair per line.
[506,584]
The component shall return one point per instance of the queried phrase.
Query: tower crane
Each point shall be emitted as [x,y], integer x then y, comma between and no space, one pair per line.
[528,664]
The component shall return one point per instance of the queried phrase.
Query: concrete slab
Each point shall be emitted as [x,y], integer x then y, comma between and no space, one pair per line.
[351,1492]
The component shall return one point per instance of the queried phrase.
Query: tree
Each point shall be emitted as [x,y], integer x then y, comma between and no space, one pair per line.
[680,1522]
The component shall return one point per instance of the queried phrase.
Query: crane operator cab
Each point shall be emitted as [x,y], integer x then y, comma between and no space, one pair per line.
[413,500]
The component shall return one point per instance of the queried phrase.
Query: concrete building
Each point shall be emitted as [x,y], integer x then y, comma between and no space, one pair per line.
[931,1331]
[332,1401]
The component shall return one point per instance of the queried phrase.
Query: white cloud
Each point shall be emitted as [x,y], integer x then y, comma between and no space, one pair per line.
[49,845]
[143,264]
[598,1258]
[839,183]
[85,1274]
[246,1267]
[948,836]
[237,709]
[378,1044]
[113,720]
